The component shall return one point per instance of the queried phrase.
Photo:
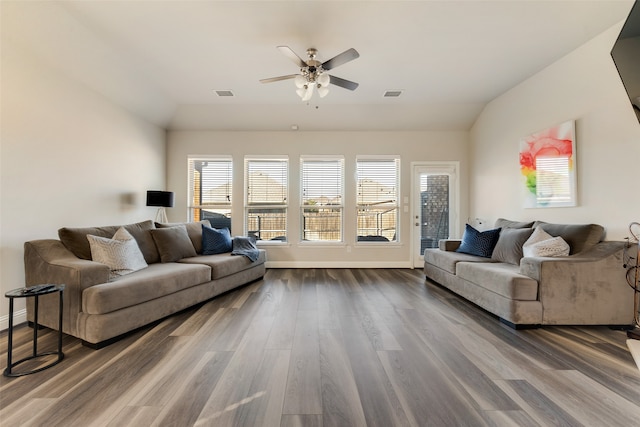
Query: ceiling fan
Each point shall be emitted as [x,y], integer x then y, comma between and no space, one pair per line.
[313,73]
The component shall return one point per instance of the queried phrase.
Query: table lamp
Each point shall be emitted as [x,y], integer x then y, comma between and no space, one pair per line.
[161,199]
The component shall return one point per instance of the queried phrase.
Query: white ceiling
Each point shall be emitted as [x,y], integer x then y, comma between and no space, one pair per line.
[164,59]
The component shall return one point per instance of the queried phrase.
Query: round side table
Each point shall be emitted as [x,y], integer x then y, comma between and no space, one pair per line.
[35,292]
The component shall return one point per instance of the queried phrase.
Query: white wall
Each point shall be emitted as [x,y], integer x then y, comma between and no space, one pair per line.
[583,86]
[68,157]
[411,146]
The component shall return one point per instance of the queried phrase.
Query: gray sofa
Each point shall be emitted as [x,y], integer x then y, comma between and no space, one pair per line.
[99,308]
[587,287]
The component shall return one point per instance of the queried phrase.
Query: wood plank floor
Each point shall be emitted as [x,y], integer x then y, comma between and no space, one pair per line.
[332,347]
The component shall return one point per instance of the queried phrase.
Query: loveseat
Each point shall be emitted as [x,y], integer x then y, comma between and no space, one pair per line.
[585,287]
[102,304]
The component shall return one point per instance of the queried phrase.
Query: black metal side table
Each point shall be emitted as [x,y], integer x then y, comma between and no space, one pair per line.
[36,292]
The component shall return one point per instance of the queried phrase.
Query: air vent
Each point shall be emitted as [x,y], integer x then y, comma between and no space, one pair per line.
[224,93]
[392,93]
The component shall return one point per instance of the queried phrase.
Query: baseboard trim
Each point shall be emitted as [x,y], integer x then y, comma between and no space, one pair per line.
[19,316]
[338,264]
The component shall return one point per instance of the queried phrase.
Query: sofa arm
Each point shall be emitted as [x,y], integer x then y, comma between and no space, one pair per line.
[585,288]
[532,266]
[449,245]
[49,261]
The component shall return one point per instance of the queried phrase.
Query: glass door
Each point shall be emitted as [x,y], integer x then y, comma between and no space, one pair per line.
[434,215]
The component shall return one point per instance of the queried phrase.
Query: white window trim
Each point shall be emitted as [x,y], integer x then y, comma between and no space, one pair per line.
[246,206]
[374,157]
[190,195]
[329,157]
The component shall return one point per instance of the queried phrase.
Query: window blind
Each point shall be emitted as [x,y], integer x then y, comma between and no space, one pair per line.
[267,181]
[211,190]
[377,181]
[211,182]
[322,181]
[377,199]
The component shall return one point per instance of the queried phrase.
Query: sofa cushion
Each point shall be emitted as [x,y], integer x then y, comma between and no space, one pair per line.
[479,243]
[194,230]
[121,253]
[153,282]
[173,243]
[223,265]
[215,241]
[509,246]
[505,223]
[502,278]
[75,239]
[579,236]
[447,260]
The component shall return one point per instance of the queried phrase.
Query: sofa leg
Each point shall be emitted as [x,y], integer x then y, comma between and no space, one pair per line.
[101,344]
[518,326]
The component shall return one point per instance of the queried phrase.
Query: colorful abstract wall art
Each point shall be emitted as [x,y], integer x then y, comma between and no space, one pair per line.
[547,164]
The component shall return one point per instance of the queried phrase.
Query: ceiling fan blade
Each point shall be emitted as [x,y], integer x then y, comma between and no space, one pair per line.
[347,84]
[286,51]
[277,79]
[343,58]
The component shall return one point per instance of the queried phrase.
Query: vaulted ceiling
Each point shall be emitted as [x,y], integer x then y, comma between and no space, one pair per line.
[164,60]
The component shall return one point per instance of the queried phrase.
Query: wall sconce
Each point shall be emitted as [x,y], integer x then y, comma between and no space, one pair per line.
[161,199]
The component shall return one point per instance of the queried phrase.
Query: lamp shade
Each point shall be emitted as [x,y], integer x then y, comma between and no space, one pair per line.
[160,198]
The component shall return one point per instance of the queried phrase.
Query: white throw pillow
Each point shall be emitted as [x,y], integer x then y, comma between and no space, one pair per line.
[121,253]
[542,243]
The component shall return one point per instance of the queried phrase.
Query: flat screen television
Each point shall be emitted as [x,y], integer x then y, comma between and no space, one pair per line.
[626,56]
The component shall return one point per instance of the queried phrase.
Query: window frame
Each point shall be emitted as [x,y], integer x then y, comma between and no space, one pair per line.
[395,205]
[308,159]
[225,207]
[249,205]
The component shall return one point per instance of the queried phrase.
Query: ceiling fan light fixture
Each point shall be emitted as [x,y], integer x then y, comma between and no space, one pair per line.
[300,81]
[308,93]
[324,80]
[322,91]
[301,91]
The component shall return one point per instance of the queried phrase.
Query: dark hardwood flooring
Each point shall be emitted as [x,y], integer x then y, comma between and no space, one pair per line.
[332,347]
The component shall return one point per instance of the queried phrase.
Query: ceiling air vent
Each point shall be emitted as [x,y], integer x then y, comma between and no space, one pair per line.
[392,94]
[224,93]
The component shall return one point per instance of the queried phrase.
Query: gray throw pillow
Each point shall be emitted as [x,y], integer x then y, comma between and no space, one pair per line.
[75,239]
[194,230]
[173,243]
[580,237]
[509,246]
[506,223]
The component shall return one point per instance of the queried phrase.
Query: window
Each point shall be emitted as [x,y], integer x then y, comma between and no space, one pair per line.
[266,182]
[322,198]
[377,199]
[210,190]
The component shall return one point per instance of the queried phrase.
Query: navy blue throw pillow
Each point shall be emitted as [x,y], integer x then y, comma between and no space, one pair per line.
[479,243]
[215,240]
